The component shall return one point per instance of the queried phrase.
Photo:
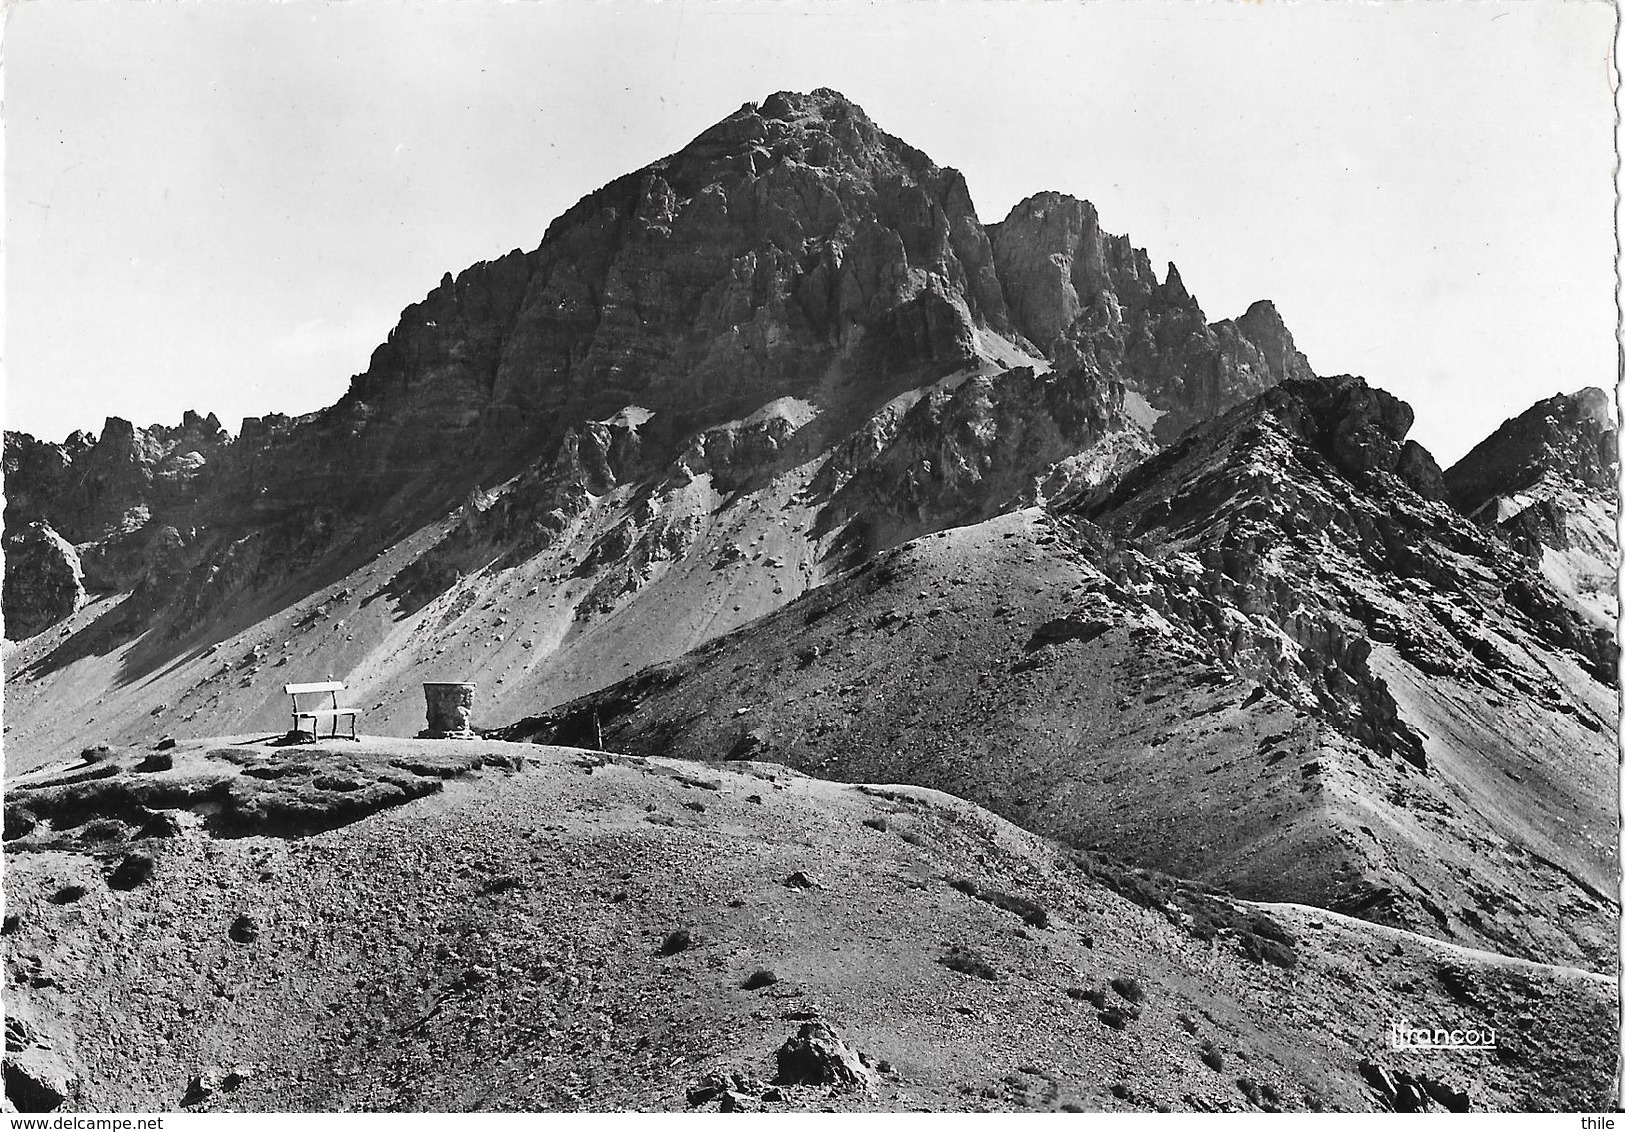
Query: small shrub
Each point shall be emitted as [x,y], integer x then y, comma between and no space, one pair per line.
[1118,1015]
[1188,1022]
[680,939]
[134,870]
[1249,1089]
[968,961]
[1267,928]
[1211,1057]
[1094,996]
[1031,911]
[1129,988]
[759,978]
[499,884]
[19,822]
[876,823]
[912,838]
[1143,887]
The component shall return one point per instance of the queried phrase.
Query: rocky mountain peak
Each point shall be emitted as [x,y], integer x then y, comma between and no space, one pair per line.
[1056,263]
[1263,326]
[1570,436]
[821,129]
[790,235]
[1173,288]
[772,453]
[1545,483]
[1086,297]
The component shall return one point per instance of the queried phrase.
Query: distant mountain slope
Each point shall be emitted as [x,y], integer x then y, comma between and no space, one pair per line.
[516,947]
[1260,658]
[1547,482]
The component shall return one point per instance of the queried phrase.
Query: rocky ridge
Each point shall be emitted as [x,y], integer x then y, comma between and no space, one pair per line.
[1547,483]
[1089,298]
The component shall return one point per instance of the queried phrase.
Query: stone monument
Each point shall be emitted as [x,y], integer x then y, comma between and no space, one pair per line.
[449,707]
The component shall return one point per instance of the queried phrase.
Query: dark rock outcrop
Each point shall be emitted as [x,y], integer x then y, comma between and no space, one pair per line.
[44,580]
[1570,436]
[818,1056]
[1308,509]
[963,454]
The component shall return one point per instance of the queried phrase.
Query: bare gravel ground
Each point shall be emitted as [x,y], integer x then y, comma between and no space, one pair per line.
[505,941]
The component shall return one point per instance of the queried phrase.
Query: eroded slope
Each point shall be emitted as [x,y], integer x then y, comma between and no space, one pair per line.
[1262,658]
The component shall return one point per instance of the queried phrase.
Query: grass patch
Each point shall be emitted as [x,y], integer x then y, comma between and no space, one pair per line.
[1031,911]
[103,829]
[1118,1015]
[969,961]
[1094,996]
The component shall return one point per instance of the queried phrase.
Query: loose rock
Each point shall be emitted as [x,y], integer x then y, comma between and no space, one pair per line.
[818,1056]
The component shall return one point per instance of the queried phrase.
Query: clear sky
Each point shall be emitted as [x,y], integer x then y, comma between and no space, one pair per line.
[223,205]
